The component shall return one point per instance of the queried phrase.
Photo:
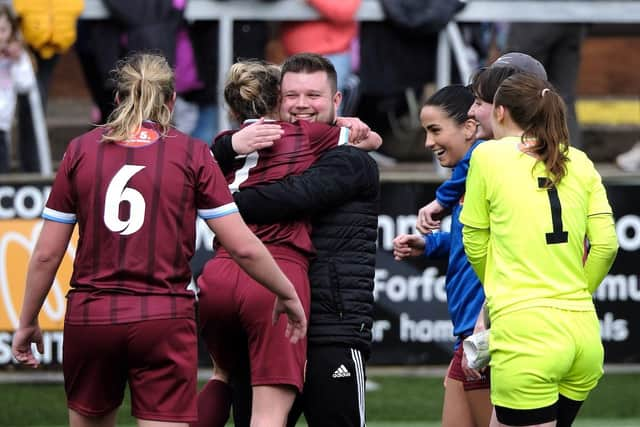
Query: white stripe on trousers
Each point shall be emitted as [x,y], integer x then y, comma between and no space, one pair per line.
[357,362]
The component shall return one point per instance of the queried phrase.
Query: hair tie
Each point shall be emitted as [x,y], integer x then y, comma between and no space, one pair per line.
[545,90]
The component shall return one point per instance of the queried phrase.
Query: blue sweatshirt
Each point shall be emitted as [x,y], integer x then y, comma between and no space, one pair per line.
[449,192]
[464,290]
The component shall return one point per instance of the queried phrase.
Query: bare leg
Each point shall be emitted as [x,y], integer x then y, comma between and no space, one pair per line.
[455,409]
[271,405]
[79,420]
[480,405]
[220,374]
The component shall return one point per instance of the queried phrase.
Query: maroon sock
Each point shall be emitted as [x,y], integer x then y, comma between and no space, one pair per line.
[214,404]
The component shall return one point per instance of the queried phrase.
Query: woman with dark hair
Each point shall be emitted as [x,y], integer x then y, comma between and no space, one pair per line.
[451,135]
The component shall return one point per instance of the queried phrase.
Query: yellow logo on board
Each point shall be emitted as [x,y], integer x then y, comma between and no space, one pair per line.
[18,239]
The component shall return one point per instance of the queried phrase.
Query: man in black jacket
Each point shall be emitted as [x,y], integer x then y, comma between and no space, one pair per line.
[340,193]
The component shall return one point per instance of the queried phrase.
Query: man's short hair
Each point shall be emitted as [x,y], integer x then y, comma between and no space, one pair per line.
[310,63]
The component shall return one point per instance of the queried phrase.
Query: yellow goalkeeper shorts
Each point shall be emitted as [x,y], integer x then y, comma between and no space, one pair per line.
[541,352]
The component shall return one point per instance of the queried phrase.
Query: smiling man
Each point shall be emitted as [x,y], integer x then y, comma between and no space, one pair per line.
[340,193]
[308,95]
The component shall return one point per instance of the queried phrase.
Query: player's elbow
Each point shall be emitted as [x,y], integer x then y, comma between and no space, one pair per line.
[605,250]
[606,245]
[248,251]
[471,247]
[611,248]
[43,256]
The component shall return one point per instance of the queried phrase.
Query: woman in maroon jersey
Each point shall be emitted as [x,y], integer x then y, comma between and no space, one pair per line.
[233,313]
[135,187]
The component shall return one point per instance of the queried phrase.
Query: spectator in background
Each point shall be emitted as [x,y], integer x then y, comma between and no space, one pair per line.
[629,161]
[94,77]
[397,61]
[197,104]
[16,74]
[558,47]
[49,29]
[104,42]
[196,80]
[330,37]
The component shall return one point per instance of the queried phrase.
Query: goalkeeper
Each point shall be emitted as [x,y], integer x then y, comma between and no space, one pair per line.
[531,199]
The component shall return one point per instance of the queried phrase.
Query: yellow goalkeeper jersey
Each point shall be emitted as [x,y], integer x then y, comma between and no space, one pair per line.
[527,242]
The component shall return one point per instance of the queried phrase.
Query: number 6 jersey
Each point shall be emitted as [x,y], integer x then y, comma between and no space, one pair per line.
[136,204]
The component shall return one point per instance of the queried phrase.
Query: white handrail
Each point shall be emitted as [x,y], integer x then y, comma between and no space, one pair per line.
[39,128]
[40,131]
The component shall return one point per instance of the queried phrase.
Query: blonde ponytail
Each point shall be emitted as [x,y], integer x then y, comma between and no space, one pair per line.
[144,85]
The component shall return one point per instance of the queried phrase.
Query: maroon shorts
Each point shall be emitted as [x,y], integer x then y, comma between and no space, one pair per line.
[158,358]
[456,373]
[235,312]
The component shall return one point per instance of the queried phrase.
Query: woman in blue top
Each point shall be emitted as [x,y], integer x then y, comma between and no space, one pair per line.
[450,134]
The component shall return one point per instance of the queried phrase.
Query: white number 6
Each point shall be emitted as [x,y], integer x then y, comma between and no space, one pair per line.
[118,193]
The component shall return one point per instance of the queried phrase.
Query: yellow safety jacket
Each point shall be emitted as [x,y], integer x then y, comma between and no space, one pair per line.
[49,26]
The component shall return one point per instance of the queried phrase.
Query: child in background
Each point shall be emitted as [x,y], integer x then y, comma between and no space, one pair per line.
[16,75]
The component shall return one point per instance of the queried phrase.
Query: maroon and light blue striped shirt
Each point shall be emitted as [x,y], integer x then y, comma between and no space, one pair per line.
[136,204]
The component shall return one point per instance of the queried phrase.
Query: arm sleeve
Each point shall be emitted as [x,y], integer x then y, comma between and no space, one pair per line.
[61,205]
[475,216]
[437,245]
[338,11]
[602,236]
[476,243]
[475,209]
[338,176]
[450,191]
[222,150]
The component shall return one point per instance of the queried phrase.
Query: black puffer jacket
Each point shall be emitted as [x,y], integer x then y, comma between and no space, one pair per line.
[341,194]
